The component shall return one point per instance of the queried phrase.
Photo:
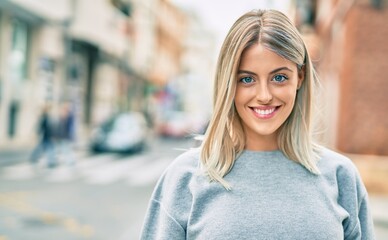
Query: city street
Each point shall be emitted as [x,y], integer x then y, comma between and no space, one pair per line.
[102,197]
[80,79]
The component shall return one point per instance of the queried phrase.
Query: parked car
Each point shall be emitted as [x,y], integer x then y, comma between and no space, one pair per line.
[125,132]
[180,124]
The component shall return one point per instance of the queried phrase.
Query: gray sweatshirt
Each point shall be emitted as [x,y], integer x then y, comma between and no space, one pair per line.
[272,197]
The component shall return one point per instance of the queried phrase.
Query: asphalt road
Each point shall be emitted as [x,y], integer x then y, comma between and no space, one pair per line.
[101,197]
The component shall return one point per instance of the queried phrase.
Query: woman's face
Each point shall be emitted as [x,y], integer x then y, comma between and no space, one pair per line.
[265,95]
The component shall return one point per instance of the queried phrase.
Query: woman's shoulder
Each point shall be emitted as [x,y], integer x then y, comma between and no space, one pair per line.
[174,182]
[171,198]
[333,162]
[188,159]
[333,159]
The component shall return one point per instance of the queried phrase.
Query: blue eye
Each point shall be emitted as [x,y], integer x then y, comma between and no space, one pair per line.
[279,78]
[246,80]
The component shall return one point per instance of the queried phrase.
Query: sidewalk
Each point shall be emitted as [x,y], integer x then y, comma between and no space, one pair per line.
[11,157]
[379,208]
[374,172]
[14,156]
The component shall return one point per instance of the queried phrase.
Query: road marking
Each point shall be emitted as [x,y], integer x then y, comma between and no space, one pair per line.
[61,174]
[101,169]
[67,173]
[149,173]
[22,171]
[20,202]
[112,172]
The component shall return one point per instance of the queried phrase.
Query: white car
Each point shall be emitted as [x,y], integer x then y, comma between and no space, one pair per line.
[125,132]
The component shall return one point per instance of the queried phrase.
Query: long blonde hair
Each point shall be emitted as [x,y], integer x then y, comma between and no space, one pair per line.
[224,139]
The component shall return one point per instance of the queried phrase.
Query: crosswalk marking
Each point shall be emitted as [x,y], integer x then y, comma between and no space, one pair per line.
[149,173]
[23,171]
[114,171]
[66,172]
[61,174]
[102,169]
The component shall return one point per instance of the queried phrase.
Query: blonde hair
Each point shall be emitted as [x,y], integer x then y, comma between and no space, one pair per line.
[224,139]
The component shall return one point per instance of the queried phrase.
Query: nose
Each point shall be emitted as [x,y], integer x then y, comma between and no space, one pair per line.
[263,93]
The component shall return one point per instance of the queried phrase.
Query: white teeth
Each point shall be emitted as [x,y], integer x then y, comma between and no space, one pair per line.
[264,112]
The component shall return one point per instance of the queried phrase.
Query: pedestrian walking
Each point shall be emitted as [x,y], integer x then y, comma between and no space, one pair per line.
[66,134]
[45,145]
[258,173]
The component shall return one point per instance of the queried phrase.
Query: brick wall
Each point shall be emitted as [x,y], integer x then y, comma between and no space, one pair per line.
[363,104]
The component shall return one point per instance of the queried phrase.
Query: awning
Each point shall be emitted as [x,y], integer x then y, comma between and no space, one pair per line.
[108,41]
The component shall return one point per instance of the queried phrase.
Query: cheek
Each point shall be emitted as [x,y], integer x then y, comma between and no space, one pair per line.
[286,95]
[237,96]
[241,96]
[240,100]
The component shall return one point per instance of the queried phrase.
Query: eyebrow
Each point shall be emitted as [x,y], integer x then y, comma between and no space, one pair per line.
[272,72]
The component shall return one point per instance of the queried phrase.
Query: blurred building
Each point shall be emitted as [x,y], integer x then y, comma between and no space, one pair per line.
[191,90]
[170,34]
[198,61]
[100,55]
[31,65]
[348,41]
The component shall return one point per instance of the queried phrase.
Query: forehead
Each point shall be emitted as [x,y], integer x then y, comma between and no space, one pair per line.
[258,56]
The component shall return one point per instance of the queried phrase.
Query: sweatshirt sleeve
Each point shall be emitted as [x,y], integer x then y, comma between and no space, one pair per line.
[354,198]
[170,204]
[366,221]
[159,224]
[363,228]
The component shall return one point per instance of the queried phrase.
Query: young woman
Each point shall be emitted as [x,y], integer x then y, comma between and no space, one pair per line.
[258,173]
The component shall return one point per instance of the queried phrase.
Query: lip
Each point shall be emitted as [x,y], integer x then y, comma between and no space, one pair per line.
[264,112]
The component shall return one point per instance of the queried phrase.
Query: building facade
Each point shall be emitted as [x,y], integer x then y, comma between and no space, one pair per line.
[31,66]
[99,55]
[351,54]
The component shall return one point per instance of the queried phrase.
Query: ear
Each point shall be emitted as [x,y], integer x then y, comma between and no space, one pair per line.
[301,75]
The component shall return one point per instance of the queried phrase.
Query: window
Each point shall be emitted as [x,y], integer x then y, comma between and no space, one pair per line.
[18,70]
[19,50]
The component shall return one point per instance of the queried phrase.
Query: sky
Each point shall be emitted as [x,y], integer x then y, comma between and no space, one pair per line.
[219,15]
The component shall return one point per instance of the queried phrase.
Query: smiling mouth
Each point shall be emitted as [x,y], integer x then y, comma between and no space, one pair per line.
[265,113]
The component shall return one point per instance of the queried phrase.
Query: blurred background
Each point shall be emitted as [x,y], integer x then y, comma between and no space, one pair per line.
[97,97]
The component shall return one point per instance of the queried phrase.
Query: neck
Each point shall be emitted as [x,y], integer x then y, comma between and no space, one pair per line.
[262,143]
